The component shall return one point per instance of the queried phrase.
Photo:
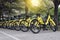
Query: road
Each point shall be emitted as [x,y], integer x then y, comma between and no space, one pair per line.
[6,34]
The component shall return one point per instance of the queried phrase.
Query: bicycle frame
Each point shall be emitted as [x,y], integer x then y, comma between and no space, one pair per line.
[49,19]
[29,21]
[1,23]
[40,20]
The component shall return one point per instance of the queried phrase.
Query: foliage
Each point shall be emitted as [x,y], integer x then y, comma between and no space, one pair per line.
[7,6]
[15,7]
[43,7]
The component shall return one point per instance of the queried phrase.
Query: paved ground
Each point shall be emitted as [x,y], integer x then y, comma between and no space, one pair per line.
[6,34]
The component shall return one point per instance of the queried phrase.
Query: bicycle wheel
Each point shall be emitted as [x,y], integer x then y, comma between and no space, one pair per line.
[9,26]
[12,27]
[17,28]
[34,28]
[4,26]
[23,26]
[53,27]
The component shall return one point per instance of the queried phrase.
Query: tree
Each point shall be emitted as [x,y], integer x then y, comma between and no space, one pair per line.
[56,12]
[6,6]
[41,8]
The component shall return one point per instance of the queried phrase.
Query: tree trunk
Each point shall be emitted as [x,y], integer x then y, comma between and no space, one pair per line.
[26,10]
[56,12]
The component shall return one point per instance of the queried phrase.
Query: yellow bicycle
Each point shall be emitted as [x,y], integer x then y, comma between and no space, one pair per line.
[17,25]
[36,24]
[1,24]
[5,24]
[24,24]
[51,23]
